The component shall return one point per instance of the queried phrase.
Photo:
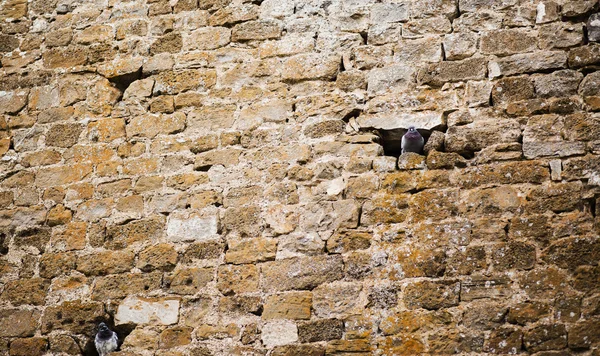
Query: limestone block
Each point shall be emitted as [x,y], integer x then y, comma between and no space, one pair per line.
[189,226]
[11,102]
[256,30]
[578,8]
[584,56]
[293,305]
[337,299]
[208,38]
[402,120]
[593,27]
[453,71]
[301,273]
[395,12]
[561,35]
[460,45]
[310,66]
[278,333]
[431,295]
[380,80]
[527,63]
[233,14]
[137,310]
[508,42]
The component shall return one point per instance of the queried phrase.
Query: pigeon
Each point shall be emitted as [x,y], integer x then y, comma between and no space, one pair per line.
[412,141]
[106,340]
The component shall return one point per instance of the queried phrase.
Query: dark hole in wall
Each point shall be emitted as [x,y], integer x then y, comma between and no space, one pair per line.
[258,311]
[354,113]
[122,82]
[89,349]
[364,36]
[204,168]
[3,243]
[391,140]
[467,155]
[591,205]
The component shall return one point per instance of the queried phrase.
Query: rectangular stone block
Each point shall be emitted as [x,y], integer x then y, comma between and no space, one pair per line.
[60,175]
[190,226]
[300,273]
[74,316]
[175,82]
[527,63]
[478,287]
[237,279]
[320,330]
[105,262]
[121,285]
[208,38]
[18,323]
[507,42]
[453,71]
[427,120]
[593,27]
[256,30]
[295,305]
[250,250]
[478,135]
[310,66]
[533,150]
[460,45]
[502,173]
[139,310]
[279,332]
[561,35]
[584,55]
[395,12]
[380,80]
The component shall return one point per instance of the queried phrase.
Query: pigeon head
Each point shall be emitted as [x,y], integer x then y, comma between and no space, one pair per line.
[412,133]
[102,327]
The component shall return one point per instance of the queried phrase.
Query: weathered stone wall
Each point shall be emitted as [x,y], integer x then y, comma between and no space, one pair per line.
[221,177]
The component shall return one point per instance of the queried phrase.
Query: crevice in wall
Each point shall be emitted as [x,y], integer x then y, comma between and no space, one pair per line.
[352,115]
[258,311]
[3,243]
[443,52]
[581,18]
[204,168]
[122,82]
[467,155]
[591,204]
[365,37]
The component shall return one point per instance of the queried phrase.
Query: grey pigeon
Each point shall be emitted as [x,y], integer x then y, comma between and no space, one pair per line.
[106,340]
[412,141]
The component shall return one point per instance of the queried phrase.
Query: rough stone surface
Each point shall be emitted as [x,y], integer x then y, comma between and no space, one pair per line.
[527,63]
[222,177]
[277,333]
[593,26]
[147,310]
[453,71]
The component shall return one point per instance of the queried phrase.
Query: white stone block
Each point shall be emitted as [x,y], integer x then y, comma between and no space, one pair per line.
[184,226]
[281,332]
[147,310]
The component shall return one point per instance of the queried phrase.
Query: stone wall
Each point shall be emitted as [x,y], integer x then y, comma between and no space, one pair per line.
[221,177]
